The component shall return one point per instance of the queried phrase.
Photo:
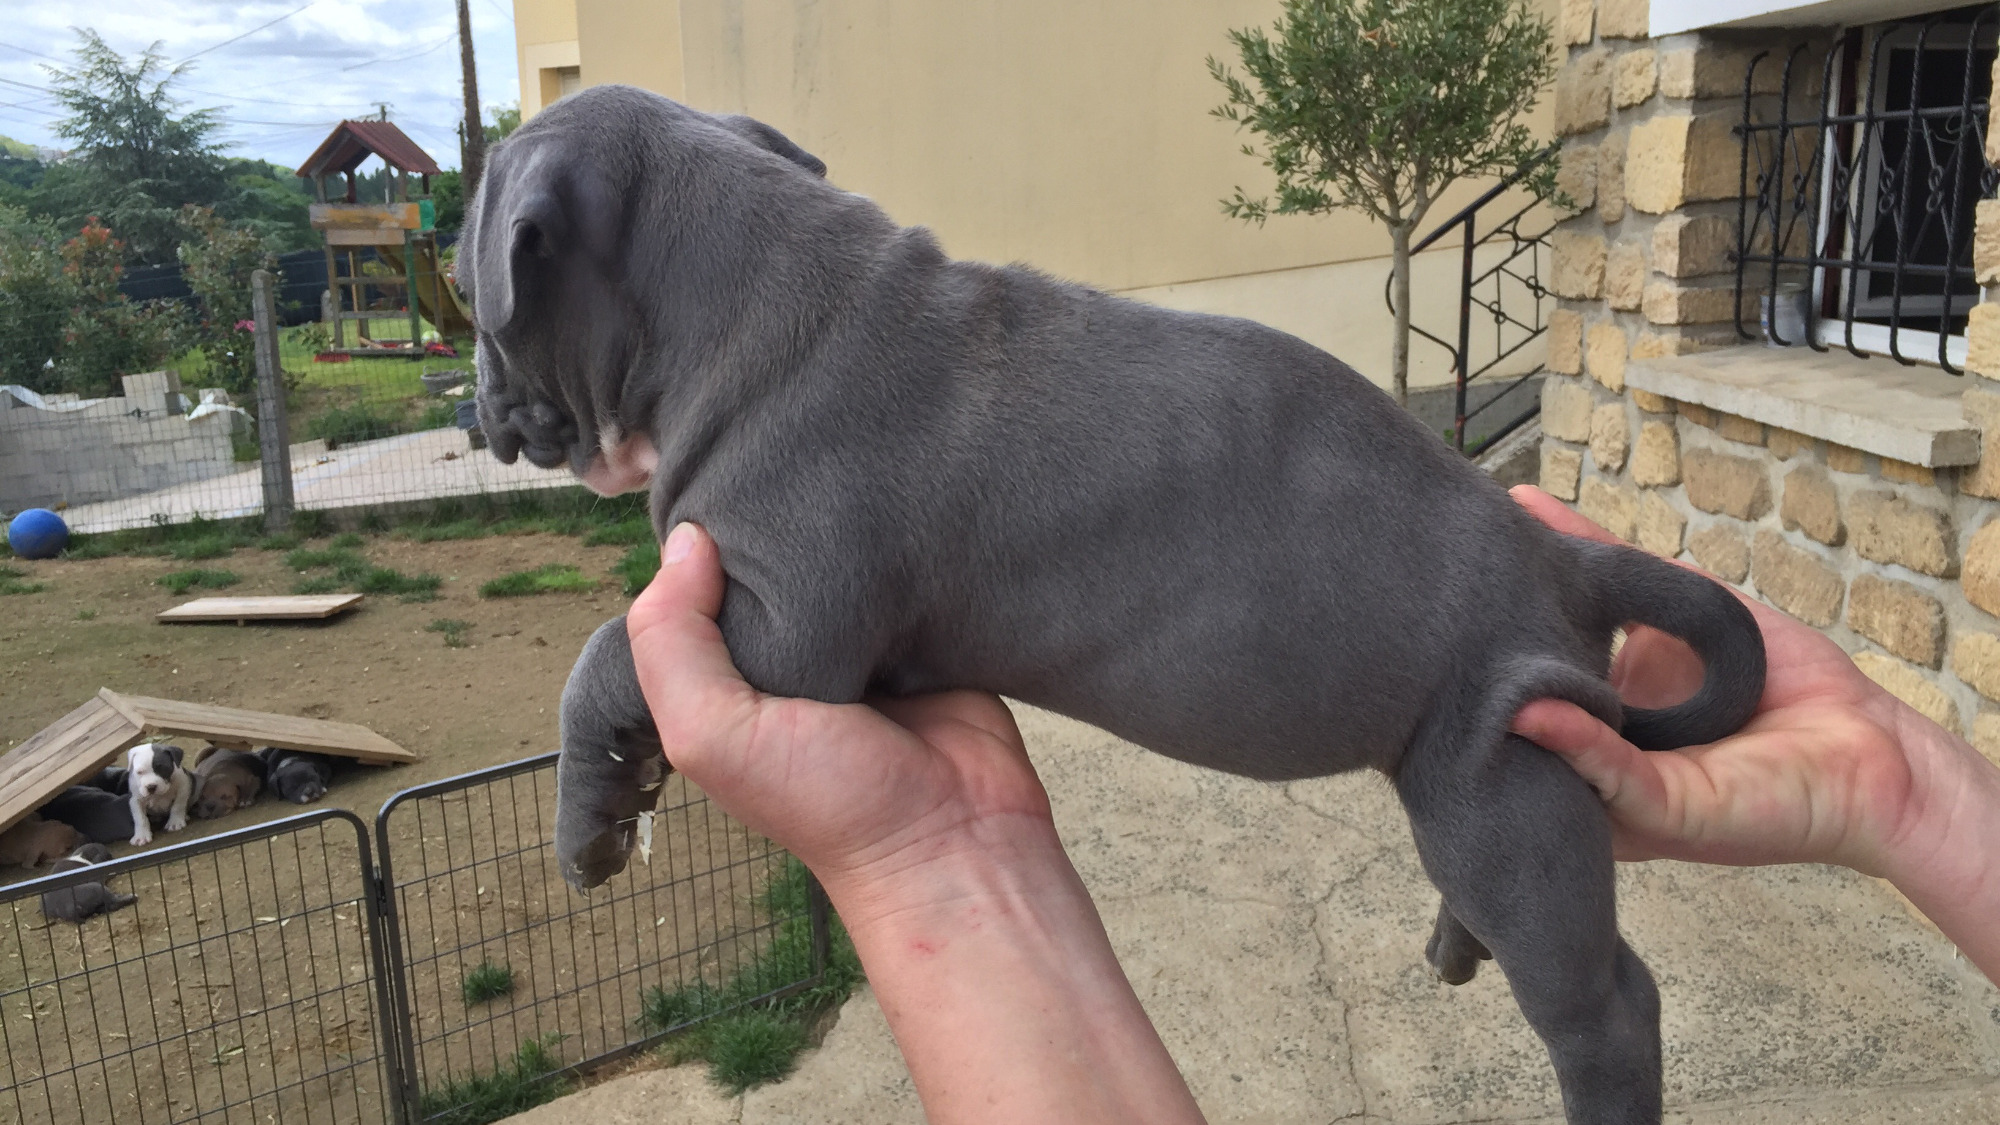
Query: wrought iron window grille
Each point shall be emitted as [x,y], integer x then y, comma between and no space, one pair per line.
[1855,212]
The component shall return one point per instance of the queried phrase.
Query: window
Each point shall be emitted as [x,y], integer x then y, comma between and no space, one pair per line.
[1858,226]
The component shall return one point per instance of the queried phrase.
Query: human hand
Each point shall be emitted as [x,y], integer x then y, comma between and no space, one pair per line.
[846,788]
[1830,769]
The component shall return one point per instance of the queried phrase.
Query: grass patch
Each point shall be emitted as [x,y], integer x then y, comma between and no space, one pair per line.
[361,421]
[313,523]
[346,564]
[453,630]
[181,581]
[625,533]
[86,615]
[549,578]
[283,541]
[635,571]
[409,587]
[193,540]
[745,1035]
[520,1084]
[13,581]
[488,981]
[346,541]
[193,550]
[318,584]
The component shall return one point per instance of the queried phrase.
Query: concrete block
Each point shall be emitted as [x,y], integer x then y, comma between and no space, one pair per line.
[1565,335]
[1625,281]
[1899,617]
[1661,526]
[1576,175]
[1566,408]
[1622,19]
[1577,269]
[1975,658]
[1613,507]
[1633,77]
[1743,431]
[1561,468]
[1981,578]
[1604,354]
[1693,245]
[1811,505]
[1726,485]
[1656,458]
[1576,22]
[1652,403]
[1889,529]
[1610,439]
[1795,581]
[1583,93]
[1666,302]
[1721,550]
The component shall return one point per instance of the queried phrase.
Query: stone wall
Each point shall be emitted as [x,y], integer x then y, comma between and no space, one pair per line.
[80,451]
[1897,561]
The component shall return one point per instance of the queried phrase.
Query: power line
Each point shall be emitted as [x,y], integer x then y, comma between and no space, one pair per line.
[247,34]
[25,51]
[405,58]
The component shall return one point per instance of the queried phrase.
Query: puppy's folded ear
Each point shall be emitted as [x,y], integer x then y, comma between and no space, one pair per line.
[770,140]
[539,216]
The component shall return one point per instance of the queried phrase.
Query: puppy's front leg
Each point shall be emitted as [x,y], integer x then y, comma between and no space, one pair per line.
[611,767]
[142,825]
[177,817]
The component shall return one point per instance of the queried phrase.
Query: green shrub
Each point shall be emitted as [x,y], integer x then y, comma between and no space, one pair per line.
[361,421]
[408,587]
[453,630]
[181,581]
[487,981]
[12,582]
[548,578]
[520,1084]
[637,568]
[345,541]
[751,1048]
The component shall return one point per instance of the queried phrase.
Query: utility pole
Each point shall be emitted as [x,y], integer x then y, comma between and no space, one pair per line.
[472,152]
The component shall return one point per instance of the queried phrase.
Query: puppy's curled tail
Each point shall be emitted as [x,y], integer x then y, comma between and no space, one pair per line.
[1635,587]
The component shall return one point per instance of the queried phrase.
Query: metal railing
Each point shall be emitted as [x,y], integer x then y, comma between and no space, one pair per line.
[1508,292]
[276,974]
[1857,196]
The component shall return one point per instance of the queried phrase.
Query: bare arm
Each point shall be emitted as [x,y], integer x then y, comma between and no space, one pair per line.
[926,823]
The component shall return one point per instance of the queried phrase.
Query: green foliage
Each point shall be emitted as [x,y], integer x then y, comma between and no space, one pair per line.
[549,578]
[163,540]
[636,570]
[520,1084]
[282,541]
[318,584]
[746,1034]
[190,550]
[1378,105]
[217,259]
[344,425]
[86,614]
[63,324]
[181,581]
[346,541]
[346,563]
[506,119]
[35,298]
[311,523]
[487,981]
[136,158]
[13,581]
[453,630]
[408,587]
[633,532]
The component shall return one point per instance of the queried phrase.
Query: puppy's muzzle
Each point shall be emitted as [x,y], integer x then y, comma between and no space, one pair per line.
[538,430]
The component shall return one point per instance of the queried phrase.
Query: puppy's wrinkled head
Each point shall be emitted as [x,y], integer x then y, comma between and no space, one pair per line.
[151,767]
[220,796]
[596,223]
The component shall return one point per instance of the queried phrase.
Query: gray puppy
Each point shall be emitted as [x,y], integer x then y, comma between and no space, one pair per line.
[298,776]
[1198,533]
[79,901]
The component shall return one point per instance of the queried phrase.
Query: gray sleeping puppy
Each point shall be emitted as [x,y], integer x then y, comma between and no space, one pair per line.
[79,901]
[1198,533]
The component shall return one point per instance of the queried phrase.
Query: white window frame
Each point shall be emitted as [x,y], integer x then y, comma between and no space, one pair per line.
[1672,17]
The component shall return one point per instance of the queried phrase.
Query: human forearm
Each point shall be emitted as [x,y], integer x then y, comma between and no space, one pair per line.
[1948,863]
[996,976]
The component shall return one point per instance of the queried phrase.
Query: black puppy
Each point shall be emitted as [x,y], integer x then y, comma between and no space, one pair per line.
[297,776]
[79,901]
[103,817]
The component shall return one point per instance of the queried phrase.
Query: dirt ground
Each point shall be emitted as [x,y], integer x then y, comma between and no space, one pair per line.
[460,709]
[267,1013]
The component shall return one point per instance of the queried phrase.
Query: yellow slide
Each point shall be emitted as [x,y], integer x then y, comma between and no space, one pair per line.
[436,297]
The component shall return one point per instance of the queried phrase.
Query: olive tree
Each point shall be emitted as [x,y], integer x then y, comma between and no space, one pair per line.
[1380,105]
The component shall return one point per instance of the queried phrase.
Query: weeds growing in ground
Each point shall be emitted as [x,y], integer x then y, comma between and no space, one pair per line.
[746,1033]
[13,580]
[283,541]
[549,578]
[319,584]
[181,581]
[520,1084]
[453,630]
[635,571]
[487,981]
[86,615]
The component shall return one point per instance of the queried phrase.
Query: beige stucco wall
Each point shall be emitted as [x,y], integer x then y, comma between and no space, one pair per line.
[1074,137]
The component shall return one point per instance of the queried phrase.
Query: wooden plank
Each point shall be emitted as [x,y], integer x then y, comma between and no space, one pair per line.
[60,755]
[336,217]
[290,607]
[239,729]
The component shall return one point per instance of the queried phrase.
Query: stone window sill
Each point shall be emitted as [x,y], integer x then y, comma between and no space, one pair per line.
[1908,414]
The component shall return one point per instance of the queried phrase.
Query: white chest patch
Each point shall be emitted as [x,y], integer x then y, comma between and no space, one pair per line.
[623,464]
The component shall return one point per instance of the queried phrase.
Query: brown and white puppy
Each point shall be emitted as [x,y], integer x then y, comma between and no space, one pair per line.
[157,787]
[35,841]
[226,780]
[79,901]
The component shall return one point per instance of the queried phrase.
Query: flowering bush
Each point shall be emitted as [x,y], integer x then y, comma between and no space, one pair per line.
[217,259]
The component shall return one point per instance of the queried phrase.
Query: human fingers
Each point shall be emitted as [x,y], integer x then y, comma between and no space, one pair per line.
[1627,779]
[698,698]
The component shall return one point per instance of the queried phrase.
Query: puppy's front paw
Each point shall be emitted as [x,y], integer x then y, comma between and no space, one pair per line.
[176,823]
[611,768]
[142,837]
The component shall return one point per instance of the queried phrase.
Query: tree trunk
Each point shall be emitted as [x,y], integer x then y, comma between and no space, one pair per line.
[472,153]
[1399,344]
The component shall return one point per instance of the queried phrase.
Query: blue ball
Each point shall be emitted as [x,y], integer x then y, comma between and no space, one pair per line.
[38,534]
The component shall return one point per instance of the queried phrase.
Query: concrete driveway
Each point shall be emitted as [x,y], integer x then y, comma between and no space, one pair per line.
[1275,934]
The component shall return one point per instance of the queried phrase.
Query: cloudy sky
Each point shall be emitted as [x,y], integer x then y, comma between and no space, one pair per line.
[281,71]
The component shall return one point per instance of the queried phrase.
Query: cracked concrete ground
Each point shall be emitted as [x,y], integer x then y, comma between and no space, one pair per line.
[1275,935]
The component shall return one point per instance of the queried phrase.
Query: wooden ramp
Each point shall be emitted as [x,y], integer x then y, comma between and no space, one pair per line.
[288,607]
[95,734]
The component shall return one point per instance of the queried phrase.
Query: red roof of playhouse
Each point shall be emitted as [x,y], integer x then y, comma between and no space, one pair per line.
[352,142]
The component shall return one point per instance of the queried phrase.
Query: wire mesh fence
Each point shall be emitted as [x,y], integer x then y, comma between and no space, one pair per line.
[241,986]
[131,414]
[503,968]
[277,975]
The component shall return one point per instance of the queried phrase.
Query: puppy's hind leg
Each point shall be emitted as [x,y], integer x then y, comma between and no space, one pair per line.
[611,767]
[1453,952]
[1521,848]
